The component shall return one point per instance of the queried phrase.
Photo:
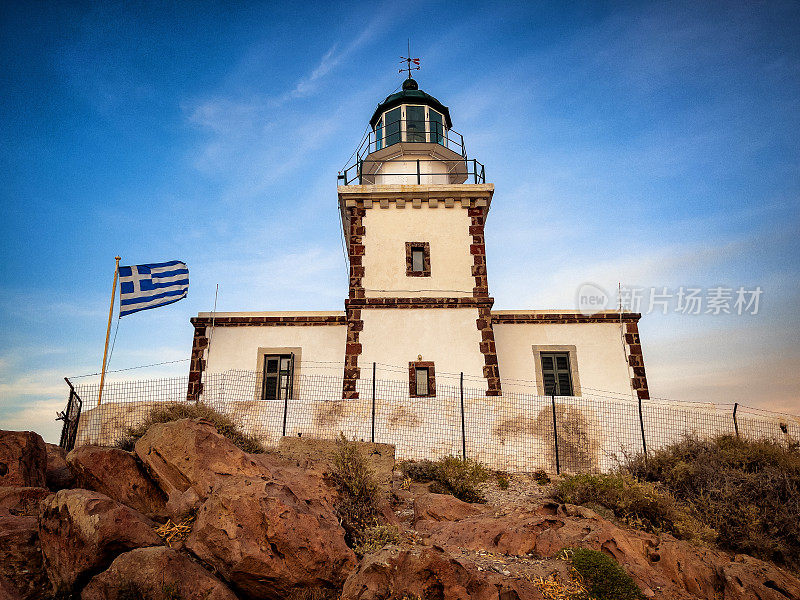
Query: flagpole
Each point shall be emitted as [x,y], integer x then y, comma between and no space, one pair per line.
[108,330]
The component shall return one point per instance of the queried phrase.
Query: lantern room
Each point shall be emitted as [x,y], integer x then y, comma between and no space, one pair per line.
[411,141]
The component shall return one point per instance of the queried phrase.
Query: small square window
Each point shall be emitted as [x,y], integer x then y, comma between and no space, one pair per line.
[418,259]
[421,379]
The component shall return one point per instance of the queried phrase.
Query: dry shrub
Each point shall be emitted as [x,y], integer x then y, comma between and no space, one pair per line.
[748,491]
[175,411]
[450,475]
[375,538]
[541,477]
[357,503]
[642,505]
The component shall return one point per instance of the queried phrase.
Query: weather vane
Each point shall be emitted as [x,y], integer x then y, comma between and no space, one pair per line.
[409,61]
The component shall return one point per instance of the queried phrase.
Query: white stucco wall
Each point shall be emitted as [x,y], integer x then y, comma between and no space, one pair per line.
[446,229]
[446,336]
[601,358]
[237,347]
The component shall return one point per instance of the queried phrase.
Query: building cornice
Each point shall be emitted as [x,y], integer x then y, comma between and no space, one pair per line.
[405,302]
[272,320]
[555,317]
[465,195]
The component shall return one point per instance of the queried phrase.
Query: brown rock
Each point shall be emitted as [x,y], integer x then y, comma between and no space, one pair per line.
[59,476]
[23,459]
[747,578]
[156,573]
[269,539]
[429,573]
[21,571]
[21,501]
[187,458]
[318,454]
[443,507]
[82,531]
[117,474]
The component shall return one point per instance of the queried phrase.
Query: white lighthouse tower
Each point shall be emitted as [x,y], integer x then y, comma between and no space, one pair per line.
[413,208]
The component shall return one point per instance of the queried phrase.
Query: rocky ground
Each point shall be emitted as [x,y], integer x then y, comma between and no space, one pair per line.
[189,516]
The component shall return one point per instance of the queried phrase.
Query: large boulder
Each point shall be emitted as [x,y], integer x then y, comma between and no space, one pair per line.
[419,572]
[187,458]
[21,571]
[82,531]
[156,573]
[443,507]
[23,459]
[118,475]
[21,501]
[268,539]
[59,476]
[747,578]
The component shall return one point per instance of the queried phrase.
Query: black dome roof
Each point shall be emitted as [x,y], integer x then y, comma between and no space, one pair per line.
[411,94]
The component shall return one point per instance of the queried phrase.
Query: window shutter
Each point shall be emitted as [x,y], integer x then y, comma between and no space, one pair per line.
[556,375]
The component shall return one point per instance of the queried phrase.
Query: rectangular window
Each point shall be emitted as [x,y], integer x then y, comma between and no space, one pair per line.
[556,374]
[379,135]
[437,131]
[421,379]
[418,259]
[415,123]
[278,376]
[392,126]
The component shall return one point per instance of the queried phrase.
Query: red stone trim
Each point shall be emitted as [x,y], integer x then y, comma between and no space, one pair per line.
[404,302]
[262,321]
[412,378]
[478,251]
[426,260]
[356,251]
[355,325]
[563,318]
[491,368]
[636,361]
[197,365]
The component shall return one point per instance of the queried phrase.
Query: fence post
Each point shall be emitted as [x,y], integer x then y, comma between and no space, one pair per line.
[641,425]
[735,422]
[463,422]
[555,433]
[373,403]
[285,412]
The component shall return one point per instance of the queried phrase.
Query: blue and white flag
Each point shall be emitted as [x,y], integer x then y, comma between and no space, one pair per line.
[150,286]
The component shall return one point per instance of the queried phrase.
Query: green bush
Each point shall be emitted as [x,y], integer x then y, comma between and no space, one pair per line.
[642,505]
[450,475]
[748,491]
[603,577]
[357,503]
[174,411]
[502,480]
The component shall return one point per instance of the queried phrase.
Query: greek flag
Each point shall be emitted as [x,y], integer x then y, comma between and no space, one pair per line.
[150,286]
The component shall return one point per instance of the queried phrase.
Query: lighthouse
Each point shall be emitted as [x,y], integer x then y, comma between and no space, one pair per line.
[413,207]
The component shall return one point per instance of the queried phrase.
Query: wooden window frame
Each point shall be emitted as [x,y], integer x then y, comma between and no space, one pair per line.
[572,353]
[412,378]
[263,352]
[426,259]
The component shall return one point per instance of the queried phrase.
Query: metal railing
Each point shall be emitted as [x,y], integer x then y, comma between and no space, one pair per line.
[413,132]
[518,431]
[367,172]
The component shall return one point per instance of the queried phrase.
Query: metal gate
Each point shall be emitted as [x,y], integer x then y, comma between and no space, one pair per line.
[71,415]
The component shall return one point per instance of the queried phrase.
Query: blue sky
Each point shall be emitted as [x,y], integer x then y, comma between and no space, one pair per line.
[649,143]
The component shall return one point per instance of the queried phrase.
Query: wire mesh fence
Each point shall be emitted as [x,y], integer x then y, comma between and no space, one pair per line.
[517,431]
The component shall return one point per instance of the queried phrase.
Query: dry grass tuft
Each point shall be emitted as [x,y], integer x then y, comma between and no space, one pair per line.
[450,475]
[173,533]
[357,504]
